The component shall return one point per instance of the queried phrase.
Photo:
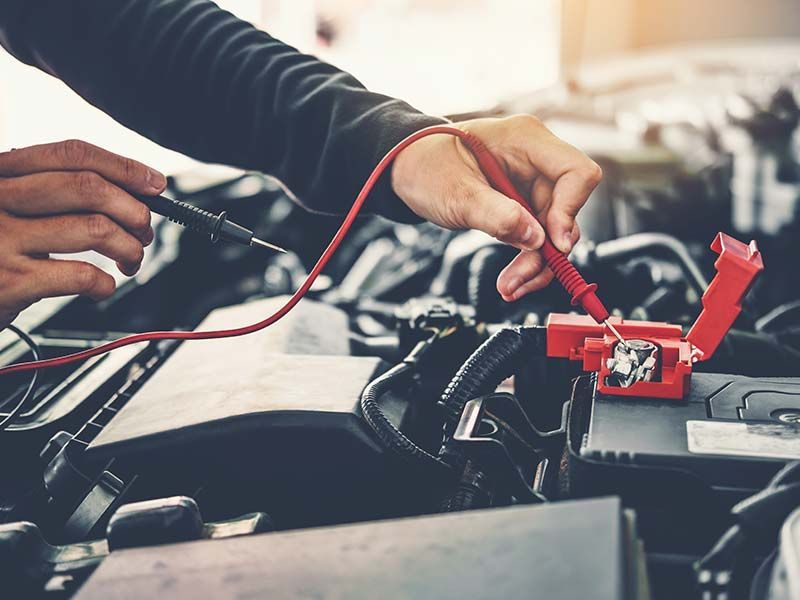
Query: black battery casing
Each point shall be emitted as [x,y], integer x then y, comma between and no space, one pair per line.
[682,463]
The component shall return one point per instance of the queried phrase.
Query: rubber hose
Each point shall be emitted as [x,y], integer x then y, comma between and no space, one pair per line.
[496,359]
[471,492]
[390,436]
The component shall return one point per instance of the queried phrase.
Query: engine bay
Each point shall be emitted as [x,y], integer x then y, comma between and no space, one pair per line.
[403,389]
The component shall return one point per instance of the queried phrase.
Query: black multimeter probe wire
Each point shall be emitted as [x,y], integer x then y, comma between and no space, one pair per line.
[218,227]
[12,414]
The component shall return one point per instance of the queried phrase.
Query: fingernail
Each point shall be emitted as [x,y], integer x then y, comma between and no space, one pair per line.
[529,241]
[133,269]
[513,285]
[528,234]
[148,237]
[566,242]
[156,180]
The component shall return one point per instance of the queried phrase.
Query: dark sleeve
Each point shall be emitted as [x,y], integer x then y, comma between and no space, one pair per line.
[196,79]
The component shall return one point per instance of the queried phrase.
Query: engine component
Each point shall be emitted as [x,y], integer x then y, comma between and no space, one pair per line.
[215,410]
[504,449]
[782,578]
[171,520]
[496,359]
[662,243]
[585,549]
[29,564]
[386,431]
[726,571]
[417,318]
[8,419]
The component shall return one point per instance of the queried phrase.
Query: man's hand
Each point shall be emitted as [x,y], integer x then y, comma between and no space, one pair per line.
[63,198]
[440,181]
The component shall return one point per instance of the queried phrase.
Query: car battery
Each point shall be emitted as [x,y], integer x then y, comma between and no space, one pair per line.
[682,464]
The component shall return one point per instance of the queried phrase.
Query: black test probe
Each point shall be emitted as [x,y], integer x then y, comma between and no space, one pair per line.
[218,227]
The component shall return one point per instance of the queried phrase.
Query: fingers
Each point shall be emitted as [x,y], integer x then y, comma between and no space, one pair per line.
[51,277]
[75,155]
[502,218]
[79,233]
[541,196]
[78,191]
[525,267]
[527,273]
[576,233]
[569,195]
[574,175]
[542,280]
[63,198]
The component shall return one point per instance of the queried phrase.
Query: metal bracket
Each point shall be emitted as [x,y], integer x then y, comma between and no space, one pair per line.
[495,433]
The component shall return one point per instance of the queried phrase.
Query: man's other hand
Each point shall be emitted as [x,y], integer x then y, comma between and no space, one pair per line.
[440,181]
[63,198]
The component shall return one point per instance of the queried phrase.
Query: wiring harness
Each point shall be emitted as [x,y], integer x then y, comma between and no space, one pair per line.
[30,390]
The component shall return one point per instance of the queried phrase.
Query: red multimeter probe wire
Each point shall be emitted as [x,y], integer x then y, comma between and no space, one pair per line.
[583,294]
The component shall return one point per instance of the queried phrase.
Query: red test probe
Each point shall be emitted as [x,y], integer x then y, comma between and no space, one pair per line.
[583,294]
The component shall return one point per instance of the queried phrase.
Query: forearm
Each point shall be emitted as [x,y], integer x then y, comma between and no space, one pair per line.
[196,79]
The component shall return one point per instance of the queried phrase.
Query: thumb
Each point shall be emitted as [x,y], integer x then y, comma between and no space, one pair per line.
[502,218]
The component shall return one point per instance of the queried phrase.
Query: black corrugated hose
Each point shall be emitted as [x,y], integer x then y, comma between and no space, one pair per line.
[496,359]
[389,435]
[472,491]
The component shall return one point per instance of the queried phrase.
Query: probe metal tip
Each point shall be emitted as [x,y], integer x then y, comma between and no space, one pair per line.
[616,333]
[257,242]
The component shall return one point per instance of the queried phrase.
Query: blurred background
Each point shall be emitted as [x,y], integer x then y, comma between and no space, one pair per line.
[379,41]
[531,43]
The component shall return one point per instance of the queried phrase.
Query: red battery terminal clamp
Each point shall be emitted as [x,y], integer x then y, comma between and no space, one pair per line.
[581,338]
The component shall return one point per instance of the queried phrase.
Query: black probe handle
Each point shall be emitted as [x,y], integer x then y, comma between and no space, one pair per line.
[216,226]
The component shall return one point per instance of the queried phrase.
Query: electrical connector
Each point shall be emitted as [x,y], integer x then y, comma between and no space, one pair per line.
[619,374]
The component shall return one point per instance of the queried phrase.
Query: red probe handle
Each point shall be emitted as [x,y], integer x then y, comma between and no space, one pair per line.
[582,293]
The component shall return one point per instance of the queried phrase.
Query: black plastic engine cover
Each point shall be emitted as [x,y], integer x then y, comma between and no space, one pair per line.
[585,549]
[255,428]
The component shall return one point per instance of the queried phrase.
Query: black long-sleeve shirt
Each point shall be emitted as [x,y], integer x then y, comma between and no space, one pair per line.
[196,79]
